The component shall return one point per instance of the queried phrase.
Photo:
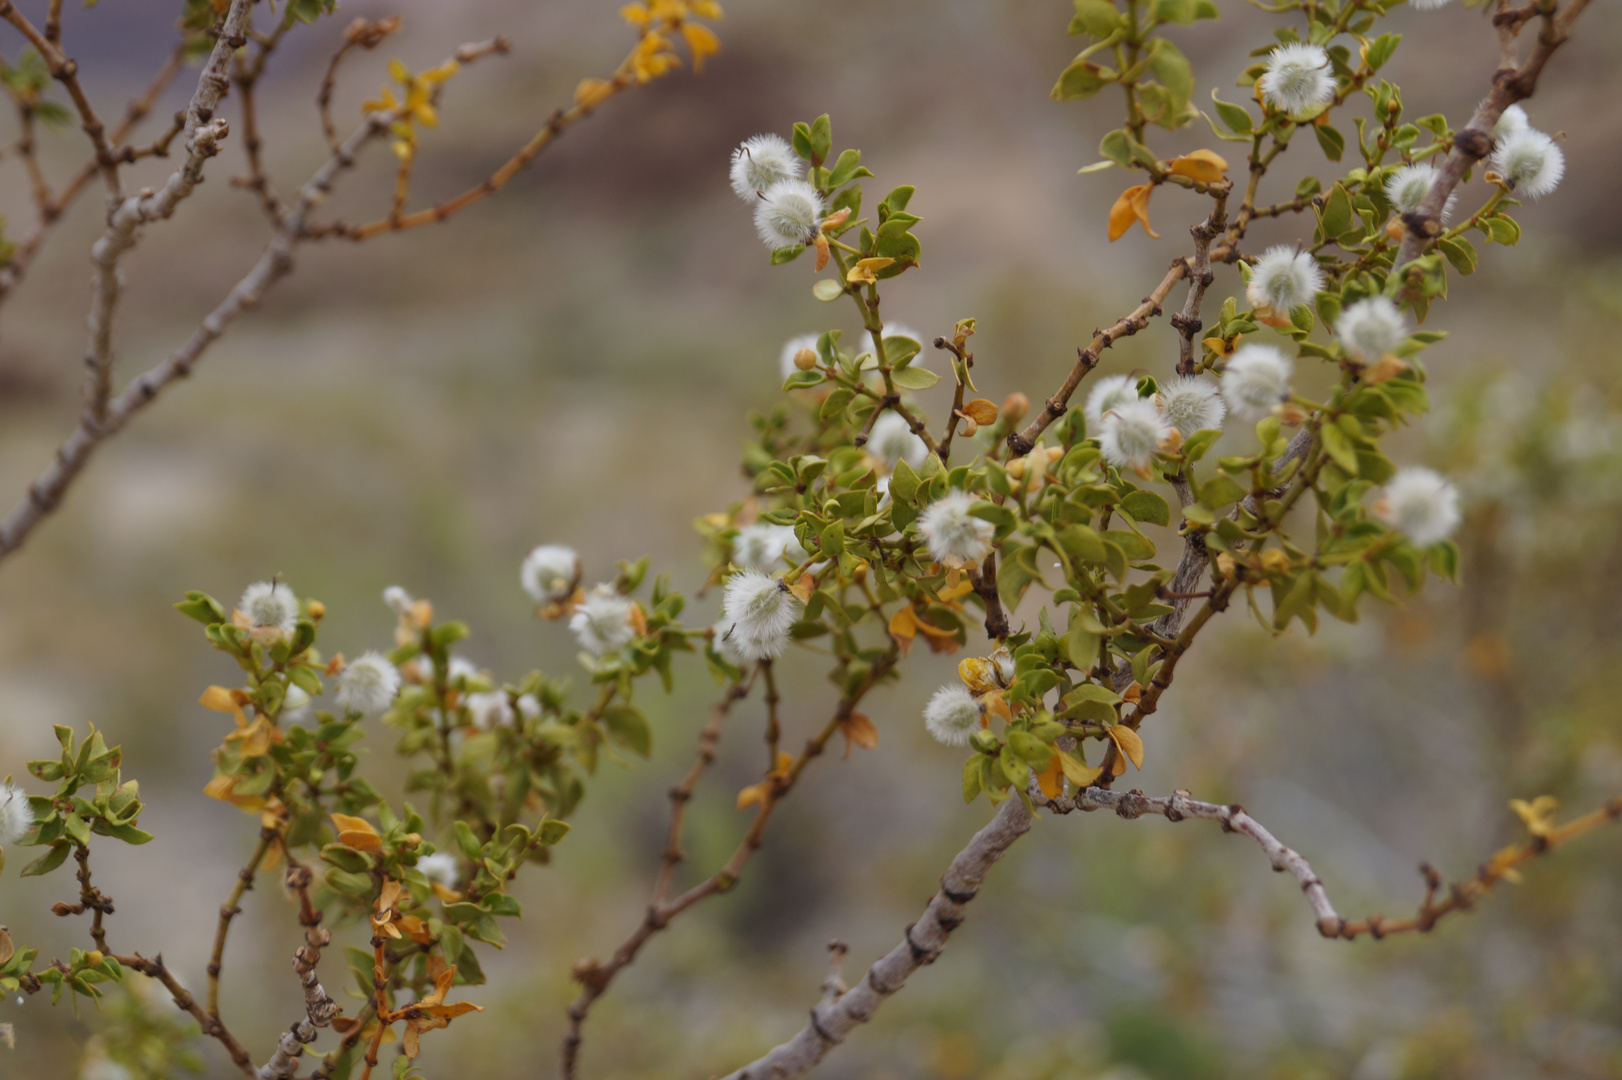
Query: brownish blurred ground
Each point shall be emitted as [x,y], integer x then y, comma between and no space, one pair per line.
[572,361]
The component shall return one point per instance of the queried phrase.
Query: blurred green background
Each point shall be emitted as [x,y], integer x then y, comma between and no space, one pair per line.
[573,360]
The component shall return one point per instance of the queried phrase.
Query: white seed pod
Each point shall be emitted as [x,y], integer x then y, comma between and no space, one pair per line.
[952,715]
[758,547]
[788,214]
[1511,121]
[1298,78]
[1422,504]
[1372,328]
[892,440]
[16,816]
[439,868]
[1256,379]
[1108,393]
[1406,188]
[549,572]
[489,709]
[270,605]
[760,162]
[1530,162]
[1427,5]
[368,684]
[398,600]
[602,621]
[955,536]
[1132,433]
[1282,279]
[1192,404]
[758,611]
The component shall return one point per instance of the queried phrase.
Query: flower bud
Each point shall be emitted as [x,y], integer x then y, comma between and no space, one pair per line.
[316,609]
[805,359]
[985,742]
[1014,407]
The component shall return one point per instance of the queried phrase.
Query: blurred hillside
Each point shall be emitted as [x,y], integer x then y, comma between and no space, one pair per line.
[572,361]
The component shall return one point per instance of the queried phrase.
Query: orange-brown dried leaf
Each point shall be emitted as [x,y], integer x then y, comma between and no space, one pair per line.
[1206,166]
[1133,205]
[858,730]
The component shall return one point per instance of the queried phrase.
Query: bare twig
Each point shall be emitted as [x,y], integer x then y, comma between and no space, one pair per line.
[211,1025]
[1021,442]
[363,34]
[1188,321]
[66,72]
[229,910]
[839,1013]
[319,1008]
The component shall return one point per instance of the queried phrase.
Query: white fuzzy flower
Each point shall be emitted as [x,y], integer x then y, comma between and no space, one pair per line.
[368,684]
[788,214]
[760,162]
[549,572]
[529,706]
[1512,121]
[457,670]
[1406,188]
[1530,162]
[952,715]
[1256,379]
[955,536]
[726,644]
[1107,394]
[439,868]
[16,816]
[1422,504]
[758,611]
[270,605]
[398,600]
[1372,328]
[602,621]
[1131,434]
[1298,78]
[489,709]
[1428,5]
[1192,404]
[758,547]
[1282,279]
[791,349]
[295,705]
[892,440]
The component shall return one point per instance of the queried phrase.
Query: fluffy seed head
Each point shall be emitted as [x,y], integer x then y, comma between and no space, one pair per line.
[760,162]
[489,709]
[955,536]
[1131,434]
[602,621]
[16,816]
[1427,5]
[1372,328]
[368,684]
[791,349]
[1192,404]
[1530,161]
[440,868]
[757,610]
[1512,121]
[952,715]
[1422,504]
[1110,393]
[549,572]
[1406,188]
[757,547]
[1256,379]
[1298,78]
[891,440]
[398,600]
[1283,278]
[787,214]
[270,604]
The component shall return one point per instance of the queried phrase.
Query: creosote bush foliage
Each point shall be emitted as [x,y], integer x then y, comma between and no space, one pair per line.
[1072,544]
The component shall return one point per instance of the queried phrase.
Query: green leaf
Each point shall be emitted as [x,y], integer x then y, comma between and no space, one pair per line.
[844,169]
[1235,116]
[800,380]
[914,378]
[1082,79]
[832,540]
[1338,448]
[1460,252]
[1098,18]
[47,862]
[1332,141]
[1174,72]
[1147,506]
[835,404]
[629,728]
[821,138]
[1336,216]
[202,607]
[971,778]
[827,290]
[1503,230]
[551,831]
[1175,11]
[1080,542]
[786,255]
[903,483]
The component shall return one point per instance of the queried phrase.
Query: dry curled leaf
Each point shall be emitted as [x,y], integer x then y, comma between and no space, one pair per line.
[1133,205]
[1206,166]
[858,730]
[356,833]
[1128,742]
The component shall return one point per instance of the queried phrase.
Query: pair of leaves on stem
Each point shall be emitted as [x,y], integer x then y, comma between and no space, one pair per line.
[1201,166]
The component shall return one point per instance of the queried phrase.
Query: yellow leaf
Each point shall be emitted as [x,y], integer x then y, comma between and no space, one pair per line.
[754,793]
[858,730]
[962,588]
[702,41]
[224,789]
[1220,347]
[1128,742]
[590,93]
[823,251]
[1051,779]
[636,15]
[7,949]
[801,590]
[1538,815]
[978,674]
[862,272]
[904,625]
[1203,165]
[356,833]
[1133,205]
[705,9]
[981,411]
[398,72]
[1078,772]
